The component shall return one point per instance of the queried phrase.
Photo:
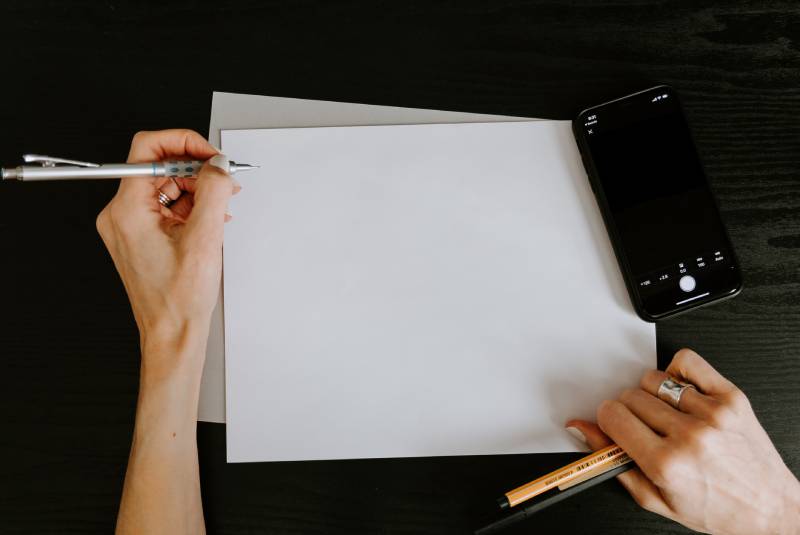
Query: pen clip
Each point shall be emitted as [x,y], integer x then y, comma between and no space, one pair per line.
[50,161]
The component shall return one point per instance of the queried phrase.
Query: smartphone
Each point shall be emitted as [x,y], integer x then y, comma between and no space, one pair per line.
[658,208]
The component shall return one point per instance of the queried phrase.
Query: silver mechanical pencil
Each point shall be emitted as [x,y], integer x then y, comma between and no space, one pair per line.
[50,168]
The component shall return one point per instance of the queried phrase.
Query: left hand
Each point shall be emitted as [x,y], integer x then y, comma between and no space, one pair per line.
[170,259]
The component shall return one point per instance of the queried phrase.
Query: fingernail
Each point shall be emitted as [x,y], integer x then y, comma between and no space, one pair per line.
[237,186]
[576,433]
[216,148]
[221,161]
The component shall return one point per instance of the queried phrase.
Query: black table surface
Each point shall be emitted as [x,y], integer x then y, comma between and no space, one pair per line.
[80,78]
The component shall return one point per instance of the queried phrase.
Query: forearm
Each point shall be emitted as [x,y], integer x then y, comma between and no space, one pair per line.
[169,257]
[162,483]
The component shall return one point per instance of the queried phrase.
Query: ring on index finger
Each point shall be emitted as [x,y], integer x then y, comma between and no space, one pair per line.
[671,391]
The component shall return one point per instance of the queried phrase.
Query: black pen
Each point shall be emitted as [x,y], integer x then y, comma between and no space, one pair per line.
[532,509]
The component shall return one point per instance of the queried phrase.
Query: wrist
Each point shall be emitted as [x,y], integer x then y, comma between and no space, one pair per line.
[174,333]
[169,386]
[173,354]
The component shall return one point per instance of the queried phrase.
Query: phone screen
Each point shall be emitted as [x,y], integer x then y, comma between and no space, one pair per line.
[665,218]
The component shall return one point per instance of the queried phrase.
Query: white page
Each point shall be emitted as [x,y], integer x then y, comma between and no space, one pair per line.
[419,291]
[234,111]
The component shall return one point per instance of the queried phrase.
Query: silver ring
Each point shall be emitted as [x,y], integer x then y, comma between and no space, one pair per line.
[671,391]
[163,199]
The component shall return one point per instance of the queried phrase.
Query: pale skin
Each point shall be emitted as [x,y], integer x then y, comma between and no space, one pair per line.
[709,466]
[170,261]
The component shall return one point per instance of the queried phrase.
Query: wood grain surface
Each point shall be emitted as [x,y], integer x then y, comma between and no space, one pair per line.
[80,78]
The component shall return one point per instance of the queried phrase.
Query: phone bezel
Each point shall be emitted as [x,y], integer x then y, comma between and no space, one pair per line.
[597,188]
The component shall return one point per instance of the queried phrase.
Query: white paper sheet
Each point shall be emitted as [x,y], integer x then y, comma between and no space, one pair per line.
[234,111]
[419,291]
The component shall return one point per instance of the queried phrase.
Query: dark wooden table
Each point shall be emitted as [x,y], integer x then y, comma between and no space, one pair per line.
[79,78]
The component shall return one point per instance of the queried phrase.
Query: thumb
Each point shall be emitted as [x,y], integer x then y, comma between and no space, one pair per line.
[589,433]
[213,190]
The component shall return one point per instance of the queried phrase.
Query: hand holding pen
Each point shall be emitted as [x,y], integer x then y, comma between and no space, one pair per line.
[50,168]
[170,257]
[170,263]
[702,458]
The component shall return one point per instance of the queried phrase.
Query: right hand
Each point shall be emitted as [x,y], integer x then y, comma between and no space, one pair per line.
[709,466]
[170,259]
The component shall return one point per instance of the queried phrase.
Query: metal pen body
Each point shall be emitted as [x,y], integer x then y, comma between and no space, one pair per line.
[28,173]
[170,168]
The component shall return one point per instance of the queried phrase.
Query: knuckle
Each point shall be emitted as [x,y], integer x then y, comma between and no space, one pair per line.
[101,222]
[606,411]
[684,357]
[698,437]
[721,417]
[139,136]
[665,468]
[737,400]
[650,377]
[187,132]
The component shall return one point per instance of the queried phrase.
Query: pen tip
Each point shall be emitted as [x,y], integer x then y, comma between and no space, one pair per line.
[503,503]
[240,167]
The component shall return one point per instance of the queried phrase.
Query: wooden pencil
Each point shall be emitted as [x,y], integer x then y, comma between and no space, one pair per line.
[603,457]
[529,510]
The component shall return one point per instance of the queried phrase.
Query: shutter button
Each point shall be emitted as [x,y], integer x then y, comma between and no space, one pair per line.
[687,283]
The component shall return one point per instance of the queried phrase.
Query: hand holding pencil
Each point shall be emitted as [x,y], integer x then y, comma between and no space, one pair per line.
[169,257]
[709,465]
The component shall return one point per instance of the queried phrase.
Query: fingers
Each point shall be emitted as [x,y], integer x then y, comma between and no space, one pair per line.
[157,145]
[180,185]
[180,209]
[643,491]
[169,187]
[691,367]
[214,188]
[657,414]
[589,433]
[628,432]
[641,444]
[692,401]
